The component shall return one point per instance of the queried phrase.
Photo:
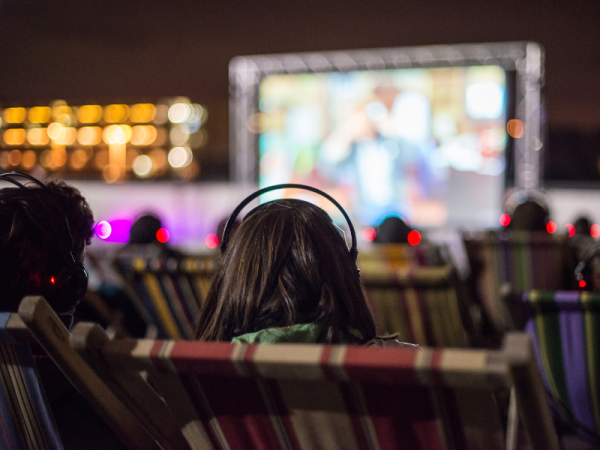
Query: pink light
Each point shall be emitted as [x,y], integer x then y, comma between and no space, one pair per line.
[551,227]
[211,240]
[595,230]
[571,229]
[582,283]
[504,220]
[103,229]
[368,234]
[162,235]
[414,237]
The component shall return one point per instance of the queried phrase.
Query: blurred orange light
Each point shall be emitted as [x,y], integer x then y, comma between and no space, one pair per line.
[38,136]
[143,135]
[59,109]
[15,136]
[551,227]
[29,159]
[14,115]
[14,157]
[211,241]
[90,113]
[89,135]
[504,220]
[368,234]
[59,156]
[56,130]
[142,112]
[68,137]
[111,173]
[414,237]
[515,128]
[570,229]
[116,113]
[595,230]
[39,114]
[117,134]
[162,235]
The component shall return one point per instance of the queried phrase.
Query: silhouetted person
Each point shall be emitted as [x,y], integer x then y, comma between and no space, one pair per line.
[392,230]
[529,216]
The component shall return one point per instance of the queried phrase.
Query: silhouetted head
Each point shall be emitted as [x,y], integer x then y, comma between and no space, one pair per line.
[529,216]
[286,264]
[583,226]
[143,230]
[393,230]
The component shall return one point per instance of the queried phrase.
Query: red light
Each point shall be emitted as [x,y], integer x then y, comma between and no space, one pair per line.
[504,220]
[595,230]
[211,241]
[414,237]
[368,234]
[582,283]
[551,227]
[52,280]
[162,235]
[571,229]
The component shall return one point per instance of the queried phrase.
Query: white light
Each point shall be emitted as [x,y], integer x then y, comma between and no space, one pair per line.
[484,100]
[179,112]
[142,166]
[180,157]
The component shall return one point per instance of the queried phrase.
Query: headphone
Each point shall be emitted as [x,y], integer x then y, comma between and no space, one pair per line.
[66,286]
[353,252]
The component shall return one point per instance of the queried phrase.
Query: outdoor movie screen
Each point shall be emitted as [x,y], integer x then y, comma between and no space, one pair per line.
[427,145]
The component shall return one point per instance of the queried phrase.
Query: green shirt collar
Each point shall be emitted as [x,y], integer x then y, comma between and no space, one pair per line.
[302,333]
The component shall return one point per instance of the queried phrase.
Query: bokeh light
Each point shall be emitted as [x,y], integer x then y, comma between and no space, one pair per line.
[14,157]
[101,158]
[111,173]
[90,113]
[162,235]
[414,237]
[142,113]
[582,283]
[60,108]
[595,230]
[551,227]
[38,136]
[570,229]
[142,166]
[46,160]
[368,234]
[116,113]
[29,159]
[515,128]
[180,157]
[179,112]
[14,115]
[179,135]
[79,159]
[159,158]
[56,130]
[117,134]
[89,135]
[143,135]
[39,114]
[504,220]
[15,136]
[68,137]
[103,229]
[59,157]
[211,240]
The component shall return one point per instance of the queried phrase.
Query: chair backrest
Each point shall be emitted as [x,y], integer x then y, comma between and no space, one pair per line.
[53,337]
[399,256]
[168,292]
[565,327]
[525,260]
[423,305]
[25,416]
[294,396]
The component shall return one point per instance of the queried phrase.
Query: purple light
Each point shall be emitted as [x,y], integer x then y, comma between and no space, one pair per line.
[103,229]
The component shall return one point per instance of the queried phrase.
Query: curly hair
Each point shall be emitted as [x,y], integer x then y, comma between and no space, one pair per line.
[30,225]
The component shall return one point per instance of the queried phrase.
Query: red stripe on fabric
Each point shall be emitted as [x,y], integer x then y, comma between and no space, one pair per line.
[436,361]
[6,431]
[284,414]
[204,358]
[381,365]
[354,414]
[239,407]
[154,355]
[325,355]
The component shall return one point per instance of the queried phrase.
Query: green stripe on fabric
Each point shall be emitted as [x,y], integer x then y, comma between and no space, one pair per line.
[547,328]
[591,323]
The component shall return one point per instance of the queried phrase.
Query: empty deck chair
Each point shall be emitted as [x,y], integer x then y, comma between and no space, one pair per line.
[525,260]
[25,416]
[294,396]
[423,305]
[47,329]
[565,327]
[168,292]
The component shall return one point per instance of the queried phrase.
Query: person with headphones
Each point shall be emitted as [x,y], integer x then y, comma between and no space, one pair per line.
[287,276]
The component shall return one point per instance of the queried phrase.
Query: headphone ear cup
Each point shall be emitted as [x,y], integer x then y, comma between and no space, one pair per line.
[65,288]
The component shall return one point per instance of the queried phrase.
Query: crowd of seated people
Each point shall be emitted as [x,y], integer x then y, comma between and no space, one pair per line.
[285,276]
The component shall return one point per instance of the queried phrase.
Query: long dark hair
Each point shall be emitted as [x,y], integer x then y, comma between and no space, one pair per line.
[286,264]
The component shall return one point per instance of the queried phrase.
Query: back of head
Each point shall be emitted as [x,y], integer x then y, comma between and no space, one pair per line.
[529,216]
[31,226]
[393,230]
[287,264]
[144,229]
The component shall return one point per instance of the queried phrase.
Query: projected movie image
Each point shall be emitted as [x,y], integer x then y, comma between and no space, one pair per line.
[427,145]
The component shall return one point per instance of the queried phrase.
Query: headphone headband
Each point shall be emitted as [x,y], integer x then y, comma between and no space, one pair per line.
[242,205]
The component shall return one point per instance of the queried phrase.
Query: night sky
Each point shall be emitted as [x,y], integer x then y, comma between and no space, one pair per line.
[107,51]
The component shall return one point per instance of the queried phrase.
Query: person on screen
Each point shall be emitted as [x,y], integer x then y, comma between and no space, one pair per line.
[287,276]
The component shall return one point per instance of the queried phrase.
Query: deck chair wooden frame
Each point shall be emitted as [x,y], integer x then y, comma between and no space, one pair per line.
[190,375]
[53,337]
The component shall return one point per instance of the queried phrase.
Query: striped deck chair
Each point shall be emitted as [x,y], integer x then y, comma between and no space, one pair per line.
[25,417]
[565,327]
[423,305]
[399,256]
[44,326]
[168,291]
[296,396]
[525,260]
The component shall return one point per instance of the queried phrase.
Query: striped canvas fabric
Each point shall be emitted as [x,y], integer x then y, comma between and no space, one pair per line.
[566,330]
[385,257]
[525,260]
[25,417]
[423,305]
[292,396]
[170,291]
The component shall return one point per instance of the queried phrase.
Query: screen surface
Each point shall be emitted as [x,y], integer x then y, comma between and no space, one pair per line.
[427,145]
